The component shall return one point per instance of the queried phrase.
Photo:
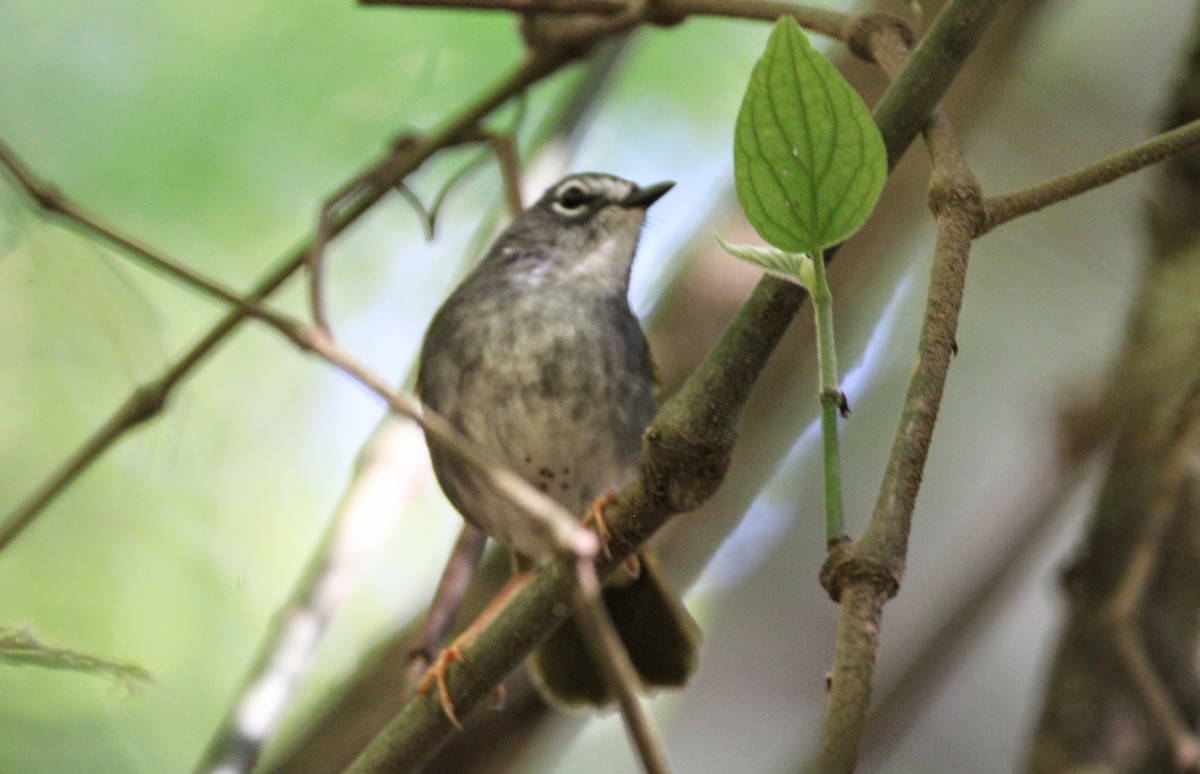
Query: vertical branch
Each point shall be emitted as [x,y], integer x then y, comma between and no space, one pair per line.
[863,574]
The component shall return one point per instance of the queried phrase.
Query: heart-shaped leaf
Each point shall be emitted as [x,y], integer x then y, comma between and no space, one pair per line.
[808,160]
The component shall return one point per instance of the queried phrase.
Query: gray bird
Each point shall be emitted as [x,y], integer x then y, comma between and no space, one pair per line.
[538,358]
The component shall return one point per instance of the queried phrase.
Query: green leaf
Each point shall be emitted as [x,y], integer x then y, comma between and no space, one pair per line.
[808,160]
[794,267]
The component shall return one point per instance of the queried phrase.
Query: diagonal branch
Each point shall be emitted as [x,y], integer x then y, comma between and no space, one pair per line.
[1001,209]
[520,6]
[568,536]
[687,446]
[258,712]
[548,54]
[149,399]
[862,575]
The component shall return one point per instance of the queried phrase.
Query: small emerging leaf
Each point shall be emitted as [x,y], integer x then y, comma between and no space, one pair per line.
[808,160]
[794,267]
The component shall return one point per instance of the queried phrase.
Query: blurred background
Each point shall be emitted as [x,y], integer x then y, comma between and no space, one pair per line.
[214,131]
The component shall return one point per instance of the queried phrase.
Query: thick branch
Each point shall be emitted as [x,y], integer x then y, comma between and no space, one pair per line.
[686,448]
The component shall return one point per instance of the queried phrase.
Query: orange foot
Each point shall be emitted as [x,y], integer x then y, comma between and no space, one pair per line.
[595,517]
[436,675]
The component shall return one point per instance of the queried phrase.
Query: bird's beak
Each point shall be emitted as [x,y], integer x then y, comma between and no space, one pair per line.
[642,198]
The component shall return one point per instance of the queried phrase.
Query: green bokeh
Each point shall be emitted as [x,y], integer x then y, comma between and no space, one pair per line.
[213,132]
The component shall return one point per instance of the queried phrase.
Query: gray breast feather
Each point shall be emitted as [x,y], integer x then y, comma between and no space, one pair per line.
[560,394]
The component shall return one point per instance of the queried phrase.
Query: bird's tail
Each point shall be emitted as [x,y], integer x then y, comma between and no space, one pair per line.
[661,637]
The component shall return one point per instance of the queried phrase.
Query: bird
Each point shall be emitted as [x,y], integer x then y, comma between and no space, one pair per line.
[538,359]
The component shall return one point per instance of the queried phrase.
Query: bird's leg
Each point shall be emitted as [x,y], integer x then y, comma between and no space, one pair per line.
[456,577]
[436,675]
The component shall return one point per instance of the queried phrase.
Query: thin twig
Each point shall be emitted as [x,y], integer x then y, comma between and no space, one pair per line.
[423,215]
[661,12]
[314,258]
[520,6]
[608,652]
[148,400]
[504,147]
[50,200]
[824,21]
[561,525]
[1001,209]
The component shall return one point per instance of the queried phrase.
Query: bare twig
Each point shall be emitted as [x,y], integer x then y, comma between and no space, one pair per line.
[834,24]
[520,6]
[606,649]
[424,215]
[148,400]
[1003,208]
[504,147]
[563,528]
[371,185]
[662,12]
[314,258]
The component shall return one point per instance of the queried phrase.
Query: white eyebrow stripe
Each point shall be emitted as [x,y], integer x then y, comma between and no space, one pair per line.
[611,188]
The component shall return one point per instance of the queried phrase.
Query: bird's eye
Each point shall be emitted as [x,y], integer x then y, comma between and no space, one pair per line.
[572,200]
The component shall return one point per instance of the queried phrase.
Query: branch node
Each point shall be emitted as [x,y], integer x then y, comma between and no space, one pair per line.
[664,13]
[846,566]
[680,470]
[562,38]
[310,338]
[146,402]
[952,195]
[866,33]
[48,198]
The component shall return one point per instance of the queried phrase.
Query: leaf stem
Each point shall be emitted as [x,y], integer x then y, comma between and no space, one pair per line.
[832,400]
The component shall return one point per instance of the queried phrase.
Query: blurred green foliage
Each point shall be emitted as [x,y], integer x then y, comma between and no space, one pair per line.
[212,132]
